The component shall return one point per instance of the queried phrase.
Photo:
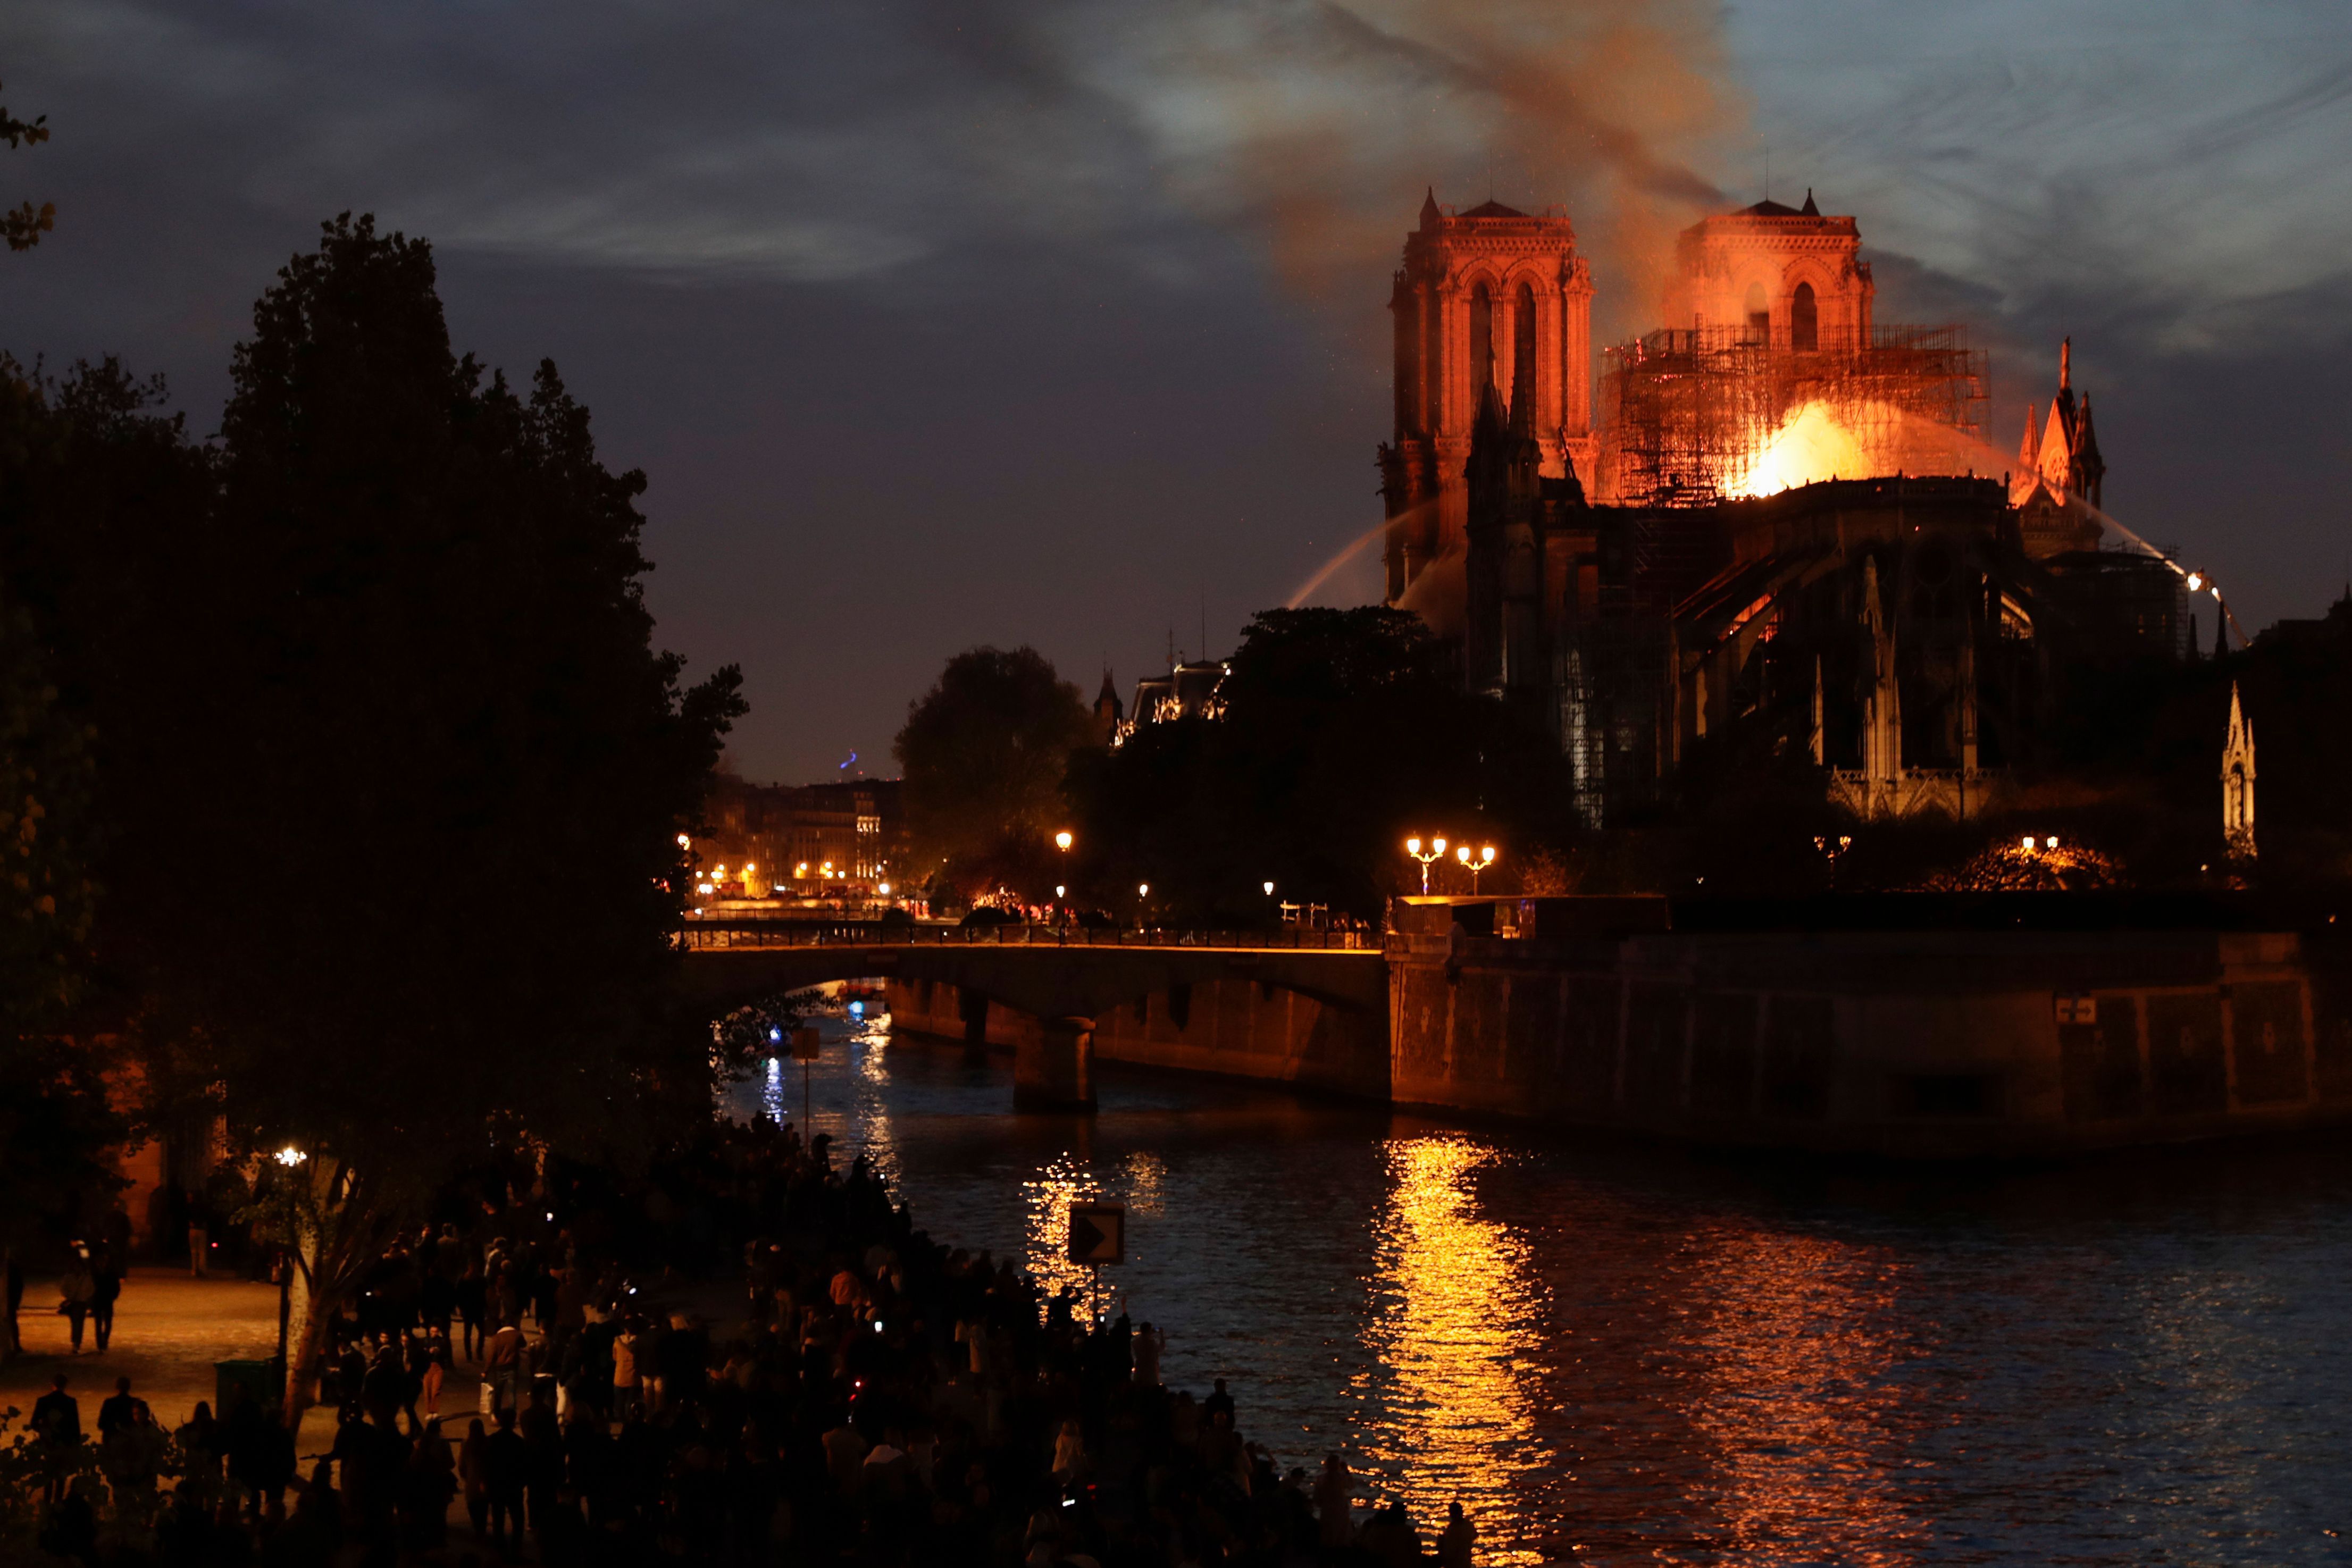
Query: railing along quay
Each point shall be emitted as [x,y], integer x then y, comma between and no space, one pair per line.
[701,936]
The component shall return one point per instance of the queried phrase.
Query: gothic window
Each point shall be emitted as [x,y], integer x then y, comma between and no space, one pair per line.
[1523,350]
[1805,320]
[1759,314]
[1482,342]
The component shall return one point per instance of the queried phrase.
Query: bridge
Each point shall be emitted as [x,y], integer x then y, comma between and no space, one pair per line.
[1061,981]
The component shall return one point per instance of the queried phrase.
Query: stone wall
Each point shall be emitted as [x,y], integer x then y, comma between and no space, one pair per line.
[1901,1042]
[1234,1029]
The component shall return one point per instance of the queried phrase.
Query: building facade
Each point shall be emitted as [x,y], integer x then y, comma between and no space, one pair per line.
[1491,296]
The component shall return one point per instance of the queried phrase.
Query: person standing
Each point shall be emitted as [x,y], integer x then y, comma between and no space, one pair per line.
[118,1412]
[473,1305]
[504,1463]
[78,1287]
[474,1475]
[437,1371]
[625,1371]
[502,1365]
[57,1425]
[1149,1342]
[1460,1536]
[106,1288]
[1331,1490]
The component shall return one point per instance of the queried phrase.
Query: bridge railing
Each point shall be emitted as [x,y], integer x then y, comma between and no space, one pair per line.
[703,936]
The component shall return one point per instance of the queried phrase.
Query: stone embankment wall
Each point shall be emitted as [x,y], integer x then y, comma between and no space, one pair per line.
[1233,1029]
[1912,1043]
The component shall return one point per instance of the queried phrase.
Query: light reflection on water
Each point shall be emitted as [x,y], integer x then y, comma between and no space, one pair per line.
[1638,1356]
[1444,1387]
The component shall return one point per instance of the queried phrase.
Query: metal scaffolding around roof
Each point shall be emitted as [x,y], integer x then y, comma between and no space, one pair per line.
[1685,415]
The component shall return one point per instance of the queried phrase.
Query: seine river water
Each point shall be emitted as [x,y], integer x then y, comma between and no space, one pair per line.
[1612,1355]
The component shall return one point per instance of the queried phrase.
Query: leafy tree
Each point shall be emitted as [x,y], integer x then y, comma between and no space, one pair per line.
[24,226]
[57,1124]
[407,892]
[1343,731]
[983,753]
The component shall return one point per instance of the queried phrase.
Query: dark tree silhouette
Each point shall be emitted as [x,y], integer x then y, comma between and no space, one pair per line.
[24,226]
[406,888]
[984,751]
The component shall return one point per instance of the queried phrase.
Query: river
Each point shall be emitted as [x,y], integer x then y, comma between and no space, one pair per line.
[1617,1354]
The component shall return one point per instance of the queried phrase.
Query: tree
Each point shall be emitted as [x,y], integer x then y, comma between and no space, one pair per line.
[983,753]
[408,891]
[1343,730]
[24,226]
[96,492]
[57,1124]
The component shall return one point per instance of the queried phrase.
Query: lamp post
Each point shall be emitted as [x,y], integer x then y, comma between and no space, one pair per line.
[1475,864]
[1142,892]
[1436,853]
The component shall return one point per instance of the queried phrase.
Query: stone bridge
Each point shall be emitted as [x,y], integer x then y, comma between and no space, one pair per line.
[1059,983]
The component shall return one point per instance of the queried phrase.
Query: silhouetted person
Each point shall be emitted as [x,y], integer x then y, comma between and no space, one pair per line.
[78,1287]
[504,1465]
[106,1288]
[1454,1545]
[57,1425]
[118,1412]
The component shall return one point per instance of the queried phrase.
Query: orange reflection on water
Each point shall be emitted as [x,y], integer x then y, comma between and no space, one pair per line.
[1046,1200]
[1452,1347]
[1791,1358]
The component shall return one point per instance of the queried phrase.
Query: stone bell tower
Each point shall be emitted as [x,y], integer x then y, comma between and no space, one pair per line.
[1491,296]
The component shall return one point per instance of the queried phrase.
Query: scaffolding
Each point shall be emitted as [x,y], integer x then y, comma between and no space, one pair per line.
[1688,414]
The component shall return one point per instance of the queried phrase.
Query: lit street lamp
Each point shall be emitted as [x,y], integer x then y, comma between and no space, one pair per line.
[1142,892]
[1485,858]
[1436,852]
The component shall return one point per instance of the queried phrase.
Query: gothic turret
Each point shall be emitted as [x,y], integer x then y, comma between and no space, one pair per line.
[2238,782]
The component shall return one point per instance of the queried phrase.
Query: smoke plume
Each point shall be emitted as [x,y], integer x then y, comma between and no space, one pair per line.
[1319,123]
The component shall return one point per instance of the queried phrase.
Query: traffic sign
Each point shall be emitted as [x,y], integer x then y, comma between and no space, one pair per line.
[1098,1233]
[805,1043]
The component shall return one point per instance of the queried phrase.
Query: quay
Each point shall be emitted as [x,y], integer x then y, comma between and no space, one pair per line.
[1907,1026]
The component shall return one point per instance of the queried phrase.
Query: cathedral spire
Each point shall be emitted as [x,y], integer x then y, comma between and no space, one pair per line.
[2238,781]
[2065,363]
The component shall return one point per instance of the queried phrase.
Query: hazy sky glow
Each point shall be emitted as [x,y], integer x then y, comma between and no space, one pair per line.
[1022,320]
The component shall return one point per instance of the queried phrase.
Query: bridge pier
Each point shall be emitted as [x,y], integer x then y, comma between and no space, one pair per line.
[1054,1065]
[973,1008]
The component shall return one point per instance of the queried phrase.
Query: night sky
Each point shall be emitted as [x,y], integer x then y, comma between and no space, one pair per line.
[1010,320]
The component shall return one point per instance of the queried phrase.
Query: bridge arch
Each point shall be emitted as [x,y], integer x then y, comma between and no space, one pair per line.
[1058,992]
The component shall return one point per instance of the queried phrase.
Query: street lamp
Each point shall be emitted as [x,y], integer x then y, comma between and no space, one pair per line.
[1485,858]
[1061,839]
[1142,892]
[1436,852]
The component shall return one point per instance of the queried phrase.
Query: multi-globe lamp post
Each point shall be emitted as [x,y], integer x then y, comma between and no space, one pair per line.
[1062,841]
[1470,860]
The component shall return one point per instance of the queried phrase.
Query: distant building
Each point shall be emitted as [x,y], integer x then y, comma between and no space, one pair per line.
[774,839]
[1108,713]
[1488,296]
[1188,691]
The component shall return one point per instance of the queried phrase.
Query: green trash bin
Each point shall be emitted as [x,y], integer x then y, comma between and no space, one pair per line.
[264,1383]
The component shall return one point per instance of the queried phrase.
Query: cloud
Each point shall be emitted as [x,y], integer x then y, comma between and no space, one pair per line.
[2175,171]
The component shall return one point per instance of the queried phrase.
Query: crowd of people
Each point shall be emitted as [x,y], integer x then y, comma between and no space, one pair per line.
[879,1400]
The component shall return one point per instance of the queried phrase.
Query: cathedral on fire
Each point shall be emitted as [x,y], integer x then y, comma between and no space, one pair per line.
[1773,515]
